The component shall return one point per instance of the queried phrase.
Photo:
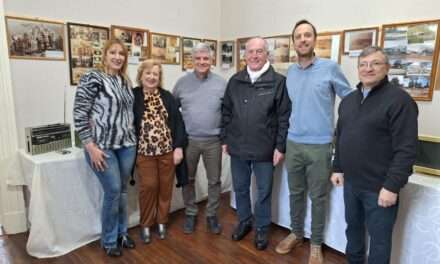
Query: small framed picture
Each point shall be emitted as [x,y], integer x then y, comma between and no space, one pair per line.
[35,39]
[227,54]
[165,47]
[85,48]
[241,50]
[279,52]
[187,45]
[355,40]
[135,39]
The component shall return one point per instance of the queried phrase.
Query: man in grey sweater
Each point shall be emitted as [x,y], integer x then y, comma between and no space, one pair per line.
[200,94]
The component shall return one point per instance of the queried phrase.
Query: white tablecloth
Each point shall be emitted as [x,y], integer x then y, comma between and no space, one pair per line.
[416,237]
[66,198]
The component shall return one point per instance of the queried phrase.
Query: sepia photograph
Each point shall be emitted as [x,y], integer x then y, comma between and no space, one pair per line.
[227,54]
[136,41]
[165,48]
[213,45]
[328,46]
[355,40]
[35,39]
[187,45]
[413,52]
[85,48]
[279,52]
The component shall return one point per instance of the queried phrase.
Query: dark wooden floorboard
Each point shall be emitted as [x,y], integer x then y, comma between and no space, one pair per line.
[200,247]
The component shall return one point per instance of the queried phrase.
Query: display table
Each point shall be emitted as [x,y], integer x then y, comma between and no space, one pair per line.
[66,198]
[416,237]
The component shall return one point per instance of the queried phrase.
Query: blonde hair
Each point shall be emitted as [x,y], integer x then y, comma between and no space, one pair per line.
[108,44]
[149,64]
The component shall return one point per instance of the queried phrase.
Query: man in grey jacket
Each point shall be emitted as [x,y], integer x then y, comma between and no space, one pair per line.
[200,94]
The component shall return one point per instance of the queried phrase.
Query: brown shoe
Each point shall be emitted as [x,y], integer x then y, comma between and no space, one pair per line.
[287,244]
[316,256]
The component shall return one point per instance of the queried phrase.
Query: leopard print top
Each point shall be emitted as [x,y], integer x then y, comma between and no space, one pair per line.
[155,135]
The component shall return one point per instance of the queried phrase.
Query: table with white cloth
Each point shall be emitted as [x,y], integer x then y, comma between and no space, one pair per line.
[416,237]
[66,199]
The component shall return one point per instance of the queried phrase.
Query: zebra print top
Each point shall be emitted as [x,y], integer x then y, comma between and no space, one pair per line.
[103,111]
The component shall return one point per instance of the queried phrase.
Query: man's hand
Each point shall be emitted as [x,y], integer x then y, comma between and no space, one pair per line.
[277,157]
[387,198]
[337,178]
[225,149]
[177,156]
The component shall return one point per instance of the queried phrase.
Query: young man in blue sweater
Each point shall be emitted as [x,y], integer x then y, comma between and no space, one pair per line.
[312,84]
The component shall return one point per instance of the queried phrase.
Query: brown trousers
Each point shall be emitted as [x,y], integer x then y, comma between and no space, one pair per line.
[156,180]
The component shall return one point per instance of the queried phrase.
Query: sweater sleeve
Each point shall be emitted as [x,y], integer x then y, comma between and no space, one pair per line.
[340,84]
[227,106]
[86,93]
[284,107]
[403,128]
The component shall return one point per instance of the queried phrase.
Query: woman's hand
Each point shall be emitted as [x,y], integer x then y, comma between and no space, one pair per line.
[97,156]
[178,156]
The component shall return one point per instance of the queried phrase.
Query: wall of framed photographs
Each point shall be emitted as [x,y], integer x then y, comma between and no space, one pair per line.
[327,16]
[225,21]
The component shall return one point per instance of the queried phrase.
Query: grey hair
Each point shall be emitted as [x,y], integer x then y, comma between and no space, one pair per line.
[373,49]
[266,45]
[201,47]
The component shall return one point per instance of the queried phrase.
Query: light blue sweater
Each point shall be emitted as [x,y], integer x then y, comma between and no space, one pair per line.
[312,92]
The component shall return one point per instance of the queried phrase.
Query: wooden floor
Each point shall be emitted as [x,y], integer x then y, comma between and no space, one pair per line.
[200,247]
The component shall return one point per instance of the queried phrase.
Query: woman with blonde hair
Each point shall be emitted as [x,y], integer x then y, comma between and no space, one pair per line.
[103,117]
[161,139]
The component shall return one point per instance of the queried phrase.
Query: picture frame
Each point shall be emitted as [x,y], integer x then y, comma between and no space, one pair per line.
[85,48]
[213,45]
[165,48]
[35,39]
[413,48]
[187,46]
[135,39]
[227,52]
[279,50]
[355,40]
[241,49]
[328,45]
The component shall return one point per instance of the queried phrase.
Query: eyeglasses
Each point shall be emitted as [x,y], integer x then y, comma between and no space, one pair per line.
[257,51]
[373,64]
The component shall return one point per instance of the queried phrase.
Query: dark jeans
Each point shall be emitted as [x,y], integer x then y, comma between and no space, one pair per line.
[113,179]
[241,178]
[362,210]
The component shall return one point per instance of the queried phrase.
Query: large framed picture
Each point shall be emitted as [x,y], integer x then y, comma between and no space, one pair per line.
[241,49]
[35,39]
[227,54]
[85,48]
[136,41]
[213,45]
[279,52]
[165,48]
[187,45]
[413,52]
[355,40]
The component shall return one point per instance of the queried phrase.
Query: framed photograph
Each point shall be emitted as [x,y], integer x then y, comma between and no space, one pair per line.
[85,48]
[213,45]
[187,46]
[136,41]
[413,52]
[279,52]
[328,45]
[227,54]
[165,48]
[35,39]
[355,40]
[241,49]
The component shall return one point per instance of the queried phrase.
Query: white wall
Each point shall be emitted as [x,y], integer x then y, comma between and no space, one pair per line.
[41,86]
[267,18]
